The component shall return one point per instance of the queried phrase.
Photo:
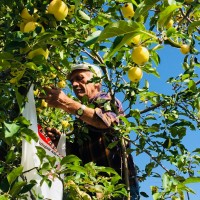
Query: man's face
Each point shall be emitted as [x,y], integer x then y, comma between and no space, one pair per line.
[79,80]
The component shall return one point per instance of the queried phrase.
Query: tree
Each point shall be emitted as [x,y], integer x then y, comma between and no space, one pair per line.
[42,52]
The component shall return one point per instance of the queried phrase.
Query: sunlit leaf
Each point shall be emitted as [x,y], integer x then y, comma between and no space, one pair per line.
[193,27]
[16,172]
[11,129]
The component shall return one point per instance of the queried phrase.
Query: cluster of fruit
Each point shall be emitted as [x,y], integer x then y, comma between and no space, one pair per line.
[140,54]
[30,22]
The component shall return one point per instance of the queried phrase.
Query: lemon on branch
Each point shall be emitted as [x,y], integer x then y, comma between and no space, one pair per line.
[44,104]
[61,12]
[65,123]
[127,10]
[134,40]
[59,9]
[53,6]
[140,55]
[39,51]
[185,49]
[31,26]
[135,74]
[26,17]
[170,24]
[61,84]
[21,26]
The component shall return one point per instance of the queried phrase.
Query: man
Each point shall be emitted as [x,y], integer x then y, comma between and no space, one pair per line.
[95,118]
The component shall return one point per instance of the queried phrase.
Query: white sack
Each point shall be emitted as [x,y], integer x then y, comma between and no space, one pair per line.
[31,160]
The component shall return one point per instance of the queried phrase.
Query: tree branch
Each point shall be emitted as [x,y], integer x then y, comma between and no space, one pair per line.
[160,103]
[148,153]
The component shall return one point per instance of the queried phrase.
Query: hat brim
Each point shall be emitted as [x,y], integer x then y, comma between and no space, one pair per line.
[86,66]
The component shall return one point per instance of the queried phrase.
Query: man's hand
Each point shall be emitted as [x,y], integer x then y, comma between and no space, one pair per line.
[55,97]
[53,134]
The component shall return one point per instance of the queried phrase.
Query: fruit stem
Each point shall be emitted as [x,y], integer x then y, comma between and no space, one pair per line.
[149,34]
[173,43]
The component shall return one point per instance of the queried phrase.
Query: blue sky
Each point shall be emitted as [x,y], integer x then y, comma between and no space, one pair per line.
[170,66]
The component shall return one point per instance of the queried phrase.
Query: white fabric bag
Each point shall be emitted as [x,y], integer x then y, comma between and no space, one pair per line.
[29,158]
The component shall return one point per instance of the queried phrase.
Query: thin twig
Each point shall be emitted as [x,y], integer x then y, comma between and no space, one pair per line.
[148,153]
[160,103]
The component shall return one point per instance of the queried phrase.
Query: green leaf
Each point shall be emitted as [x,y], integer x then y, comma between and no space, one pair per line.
[112,145]
[11,156]
[197,150]
[192,86]
[78,169]
[16,188]
[192,180]
[144,194]
[4,64]
[29,134]
[193,27]
[6,56]
[20,99]
[10,129]
[91,39]
[41,153]
[31,65]
[11,177]
[101,19]
[4,197]
[166,14]
[69,159]
[83,15]
[144,7]
[165,181]
[167,144]
[109,170]
[28,187]
[119,28]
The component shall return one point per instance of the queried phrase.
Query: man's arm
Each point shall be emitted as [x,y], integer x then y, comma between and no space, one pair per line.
[56,98]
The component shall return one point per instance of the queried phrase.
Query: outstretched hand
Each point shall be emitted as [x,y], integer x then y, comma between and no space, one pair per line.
[54,97]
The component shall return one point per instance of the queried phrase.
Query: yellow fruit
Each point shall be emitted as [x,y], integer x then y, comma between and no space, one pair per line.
[84,195]
[44,103]
[185,49]
[53,6]
[52,75]
[36,92]
[61,12]
[31,26]
[39,110]
[61,84]
[127,10]
[170,24]
[37,52]
[65,123]
[135,74]
[26,17]
[134,40]
[140,55]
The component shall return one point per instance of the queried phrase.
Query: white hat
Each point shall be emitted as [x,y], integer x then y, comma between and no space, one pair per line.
[87,66]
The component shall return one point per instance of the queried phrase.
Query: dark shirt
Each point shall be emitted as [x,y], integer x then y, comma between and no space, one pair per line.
[91,144]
